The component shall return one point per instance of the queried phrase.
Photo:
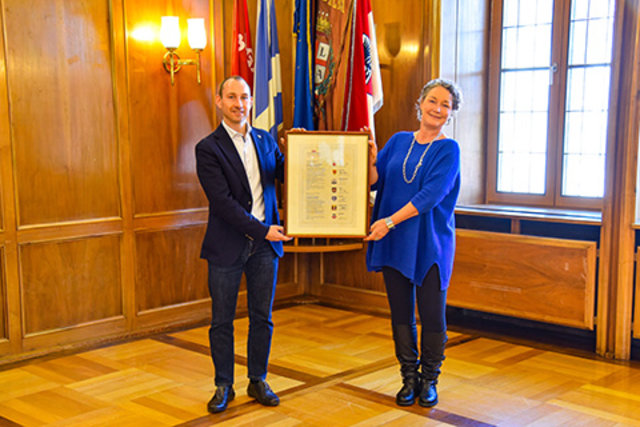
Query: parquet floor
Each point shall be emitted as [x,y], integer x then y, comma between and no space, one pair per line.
[330,368]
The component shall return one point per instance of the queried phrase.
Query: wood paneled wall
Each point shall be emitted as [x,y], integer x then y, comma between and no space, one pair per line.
[70,282]
[3,299]
[101,212]
[62,111]
[162,150]
[405,37]
[7,221]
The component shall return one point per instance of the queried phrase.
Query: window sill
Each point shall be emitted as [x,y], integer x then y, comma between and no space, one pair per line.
[532,214]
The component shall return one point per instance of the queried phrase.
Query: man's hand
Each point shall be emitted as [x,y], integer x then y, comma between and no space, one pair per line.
[283,142]
[276,234]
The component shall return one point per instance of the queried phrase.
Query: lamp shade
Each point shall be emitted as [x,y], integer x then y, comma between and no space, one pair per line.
[170,32]
[196,33]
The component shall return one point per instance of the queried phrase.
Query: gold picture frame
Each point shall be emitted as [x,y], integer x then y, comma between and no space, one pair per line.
[326,184]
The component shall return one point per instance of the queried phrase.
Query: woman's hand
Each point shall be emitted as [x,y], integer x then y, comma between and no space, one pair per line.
[373,157]
[373,148]
[373,153]
[377,231]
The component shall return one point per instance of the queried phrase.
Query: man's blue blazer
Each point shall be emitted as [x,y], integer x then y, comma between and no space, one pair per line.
[224,180]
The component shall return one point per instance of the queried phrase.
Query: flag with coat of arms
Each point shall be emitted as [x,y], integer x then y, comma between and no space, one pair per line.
[242,52]
[363,90]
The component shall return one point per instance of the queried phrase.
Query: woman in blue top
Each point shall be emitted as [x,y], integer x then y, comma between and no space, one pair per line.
[412,237]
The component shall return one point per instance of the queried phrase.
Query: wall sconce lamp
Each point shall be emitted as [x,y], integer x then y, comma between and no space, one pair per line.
[170,38]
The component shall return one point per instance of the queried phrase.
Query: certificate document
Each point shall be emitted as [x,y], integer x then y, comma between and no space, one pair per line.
[326,184]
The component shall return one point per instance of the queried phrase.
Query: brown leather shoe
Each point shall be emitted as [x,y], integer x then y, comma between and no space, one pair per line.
[261,391]
[220,400]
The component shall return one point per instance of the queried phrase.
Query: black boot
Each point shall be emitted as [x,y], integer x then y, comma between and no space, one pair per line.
[405,339]
[432,347]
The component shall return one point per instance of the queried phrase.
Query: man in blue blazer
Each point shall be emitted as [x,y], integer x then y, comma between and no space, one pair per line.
[237,166]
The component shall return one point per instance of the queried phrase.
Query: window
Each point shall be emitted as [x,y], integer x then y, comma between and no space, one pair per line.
[550,67]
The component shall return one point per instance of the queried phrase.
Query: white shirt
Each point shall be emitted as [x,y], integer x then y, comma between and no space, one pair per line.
[247,152]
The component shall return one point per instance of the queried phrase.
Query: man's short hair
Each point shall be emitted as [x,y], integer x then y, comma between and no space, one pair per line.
[237,78]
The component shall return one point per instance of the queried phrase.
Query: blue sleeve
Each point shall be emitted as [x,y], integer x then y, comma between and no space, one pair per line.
[439,177]
[279,163]
[277,154]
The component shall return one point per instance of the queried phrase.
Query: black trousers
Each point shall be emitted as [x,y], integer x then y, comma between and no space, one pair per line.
[402,296]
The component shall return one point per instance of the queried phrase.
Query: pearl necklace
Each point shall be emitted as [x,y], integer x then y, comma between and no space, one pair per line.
[415,171]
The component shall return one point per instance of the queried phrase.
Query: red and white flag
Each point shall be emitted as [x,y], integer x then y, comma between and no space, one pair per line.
[242,60]
[363,91]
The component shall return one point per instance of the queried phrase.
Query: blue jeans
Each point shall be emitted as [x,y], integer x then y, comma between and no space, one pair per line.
[260,264]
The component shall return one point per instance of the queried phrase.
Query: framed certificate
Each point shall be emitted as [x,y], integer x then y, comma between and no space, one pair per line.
[326,184]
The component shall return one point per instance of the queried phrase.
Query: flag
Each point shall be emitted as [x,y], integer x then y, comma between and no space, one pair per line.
[303,95]
[267,86]
[242,53]
[363,90]
[331,55]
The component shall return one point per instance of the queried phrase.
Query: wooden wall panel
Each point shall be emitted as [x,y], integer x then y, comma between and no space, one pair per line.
[3,297]
[166,121]
[62,114]
[2,196]
[169,270]
[287,269]
[349,269]
[550,280]
[69,283]
[636,302]
[5,139]
[9,301]
[404,66]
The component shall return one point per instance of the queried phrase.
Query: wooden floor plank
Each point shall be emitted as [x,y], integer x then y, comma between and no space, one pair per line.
[123,385]
[601,401]
[60,403]
[111,416]
[70,369]
[20,382]
[332,406]
[545,415]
